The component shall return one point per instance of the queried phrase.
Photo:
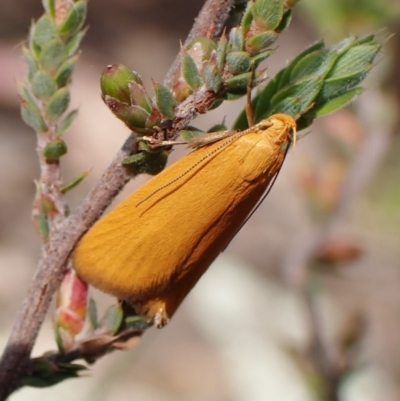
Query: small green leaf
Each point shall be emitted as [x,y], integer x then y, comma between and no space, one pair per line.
[212,77]
[133,116]
[238,62]
[30,62]
[190,133]
[221,51]
[285,21]
[139,96]
[236,40]
[287,72]
[74,182]
[260,42]
[256,60]
[147,161]
[92,314]
[165,100]
[112,319]
[52,55]
[268,13]
[43,86]
[74,19]
[334,87]
[306,90]
[49,6]
[338,102]
[43,31]
[58,104]
[316,64]
[247,18]
[289,105]
[73,43]
[66,122]
[54,150]
[64,72]
[41,224]
[137,322]
[238,83]
[355,59]
[190,72]
[31,115]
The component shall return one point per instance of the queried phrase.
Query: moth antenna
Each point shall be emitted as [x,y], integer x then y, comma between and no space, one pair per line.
[205,157]
[249,106]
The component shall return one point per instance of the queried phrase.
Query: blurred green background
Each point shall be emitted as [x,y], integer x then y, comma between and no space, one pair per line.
[305,302]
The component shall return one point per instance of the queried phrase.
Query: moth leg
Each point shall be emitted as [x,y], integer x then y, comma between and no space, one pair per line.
[155,143]
[161,318]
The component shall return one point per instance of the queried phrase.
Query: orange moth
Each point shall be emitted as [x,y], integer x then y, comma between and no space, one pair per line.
[152,248]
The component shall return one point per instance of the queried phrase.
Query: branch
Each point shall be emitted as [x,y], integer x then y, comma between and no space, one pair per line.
[62,239]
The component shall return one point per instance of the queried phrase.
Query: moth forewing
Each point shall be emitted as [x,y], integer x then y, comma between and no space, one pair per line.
[151,253]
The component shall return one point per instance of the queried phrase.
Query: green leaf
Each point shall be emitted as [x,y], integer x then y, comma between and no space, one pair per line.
[221,51]
[285,21]
[30,62]
[137,322]
[256,60]
[338,102]
[31,115]
[354,60]
[238,83]
[66,122]
[52,55]
[236,40]
[64,72]
[289,105]
[113,318]
[54,150]
[268,13]
[49,6]
[148,160]
[133,116]
[316,64]
[139,96]
[43,31]
[190,132]
[92,314]
[238,62]
[247,18]
[287,72]
[74,20]
[337,86]
[43,86]
[73,43]
[58,104]
[212,77]
[260,42]
[74,182]
[165,100]
[190,72]
[45,373]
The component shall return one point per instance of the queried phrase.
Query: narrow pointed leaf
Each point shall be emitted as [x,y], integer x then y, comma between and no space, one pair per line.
[74,19]
[165,100]
[190,72]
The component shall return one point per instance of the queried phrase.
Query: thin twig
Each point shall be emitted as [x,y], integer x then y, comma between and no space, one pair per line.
[62,239]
